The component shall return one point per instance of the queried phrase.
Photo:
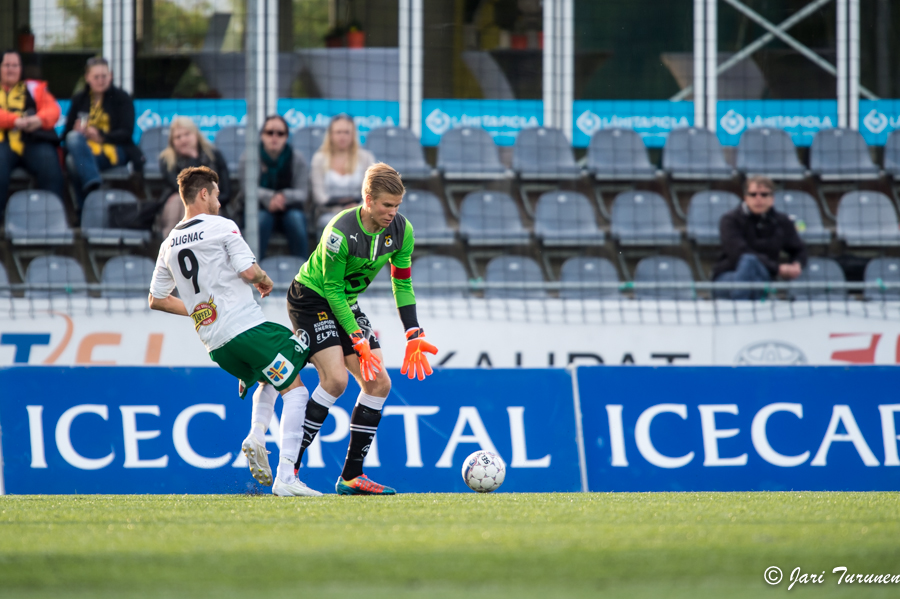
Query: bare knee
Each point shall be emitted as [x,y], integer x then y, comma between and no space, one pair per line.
[333,381]
[380,387]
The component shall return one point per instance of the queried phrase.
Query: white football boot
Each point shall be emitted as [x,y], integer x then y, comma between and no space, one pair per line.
[258,459]
[295,488]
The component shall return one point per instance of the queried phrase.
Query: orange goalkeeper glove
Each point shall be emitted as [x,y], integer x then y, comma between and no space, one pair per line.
[369,364]
[415,364]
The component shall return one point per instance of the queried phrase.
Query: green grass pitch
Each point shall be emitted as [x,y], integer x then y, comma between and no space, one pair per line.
[631,545]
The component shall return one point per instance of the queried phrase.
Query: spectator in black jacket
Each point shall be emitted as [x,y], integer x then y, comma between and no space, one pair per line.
[187,147]
[754,236]
[99,129]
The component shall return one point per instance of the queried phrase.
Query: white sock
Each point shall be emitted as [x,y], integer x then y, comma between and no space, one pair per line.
[323,398]
[263,407]
[370,401]
[293,413]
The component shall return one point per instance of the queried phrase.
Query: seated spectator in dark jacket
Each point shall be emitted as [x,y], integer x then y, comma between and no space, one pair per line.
[28,114]
[754,236]
[99,129]
[283,188]
[187,147]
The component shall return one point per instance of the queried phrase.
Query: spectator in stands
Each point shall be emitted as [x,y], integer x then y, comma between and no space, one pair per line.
[187,148]
[338,168]
[28,114]
[99,130]
[283,188]
[753,238]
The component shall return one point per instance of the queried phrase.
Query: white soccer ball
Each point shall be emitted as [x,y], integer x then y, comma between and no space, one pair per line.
[484,471]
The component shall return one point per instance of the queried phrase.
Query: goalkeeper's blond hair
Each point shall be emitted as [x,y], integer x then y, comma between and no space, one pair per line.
[382,179]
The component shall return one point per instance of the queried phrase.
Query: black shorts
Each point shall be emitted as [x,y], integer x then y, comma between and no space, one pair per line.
[314,323]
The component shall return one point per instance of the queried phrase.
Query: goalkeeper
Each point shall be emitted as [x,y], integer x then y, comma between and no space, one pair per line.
[322,306]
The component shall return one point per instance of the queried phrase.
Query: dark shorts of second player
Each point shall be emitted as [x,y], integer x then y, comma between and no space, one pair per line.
[315,324]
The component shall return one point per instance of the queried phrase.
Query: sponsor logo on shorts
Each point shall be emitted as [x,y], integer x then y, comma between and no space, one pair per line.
[279,370]
[301,339]
[204,314]
[322,337]
[333,243]
[321,326]
[322,316]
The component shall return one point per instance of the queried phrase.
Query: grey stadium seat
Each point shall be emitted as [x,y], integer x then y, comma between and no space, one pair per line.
[588,270]
[469,153]
[704,213]
[803,210]
[820,270]
[491,218]
[642,218]
[127,270]
[382,285]
[662,270]
[841,154]
[282,269]
[153,141]
[769,152]
[95,219]
[892,154]
[522,274]
[883,270]
[867,218]
[544,154]
[399,148]
[694,153]
[37,218]
[566,218]
[444,276]
[308,140]
[231,141]
[619,154]
[55,270]
[426,213]
[4,281]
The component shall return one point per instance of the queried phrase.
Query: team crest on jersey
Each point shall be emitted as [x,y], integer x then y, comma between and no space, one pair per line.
[279,370]
[388,242]
[333,243]
[204,314]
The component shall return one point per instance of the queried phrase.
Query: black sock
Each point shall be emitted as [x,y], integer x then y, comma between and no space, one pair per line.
[315,416]
[363,423]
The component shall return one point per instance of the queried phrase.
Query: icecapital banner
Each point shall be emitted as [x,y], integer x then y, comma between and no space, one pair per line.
[179,430]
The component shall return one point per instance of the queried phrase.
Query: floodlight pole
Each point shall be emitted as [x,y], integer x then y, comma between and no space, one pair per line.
[118,41]
[699,64]
[558,89]
[251,152]
[712,50]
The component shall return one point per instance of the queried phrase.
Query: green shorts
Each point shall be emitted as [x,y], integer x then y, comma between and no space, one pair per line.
[268,353]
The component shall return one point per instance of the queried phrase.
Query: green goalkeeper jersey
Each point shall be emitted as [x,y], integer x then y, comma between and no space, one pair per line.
[348,258]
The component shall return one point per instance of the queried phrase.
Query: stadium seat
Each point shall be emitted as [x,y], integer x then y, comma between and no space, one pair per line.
[37,218]
[522,274]
[892,154]
[282,269]
[820,270]
[642,218]
[382,285]
[491,218]
[544,154]
[803,210]
[841,155]
[4,281]
[661,270]
[444,276]
[401,149]
[619,154]
[128,270]
[588,270]
[695,154]
[153,141]
[426,213]
[307,141]
[867,218]
[231,141]
[769,152]
[704,213]
[95,219]
[566,218]
[55,270]
[468,154]
[883,270]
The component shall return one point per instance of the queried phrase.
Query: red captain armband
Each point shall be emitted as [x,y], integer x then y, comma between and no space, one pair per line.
[401,273]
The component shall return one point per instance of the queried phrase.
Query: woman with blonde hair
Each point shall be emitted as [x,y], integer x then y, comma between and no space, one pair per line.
[339,167]
[187,147]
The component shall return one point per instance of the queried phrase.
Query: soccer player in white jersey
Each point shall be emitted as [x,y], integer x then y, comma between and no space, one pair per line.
[212,267]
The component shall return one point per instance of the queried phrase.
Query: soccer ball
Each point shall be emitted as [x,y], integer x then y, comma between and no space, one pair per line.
[484,471]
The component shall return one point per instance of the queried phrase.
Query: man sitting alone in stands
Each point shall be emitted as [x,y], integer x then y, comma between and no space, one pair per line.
[753,238]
